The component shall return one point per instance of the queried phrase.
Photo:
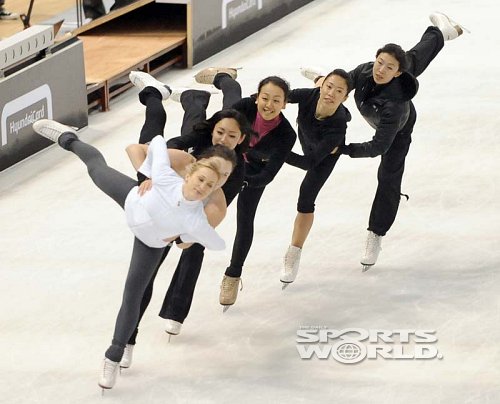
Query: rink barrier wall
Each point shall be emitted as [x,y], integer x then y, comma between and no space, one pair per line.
[50,86]
[218,24]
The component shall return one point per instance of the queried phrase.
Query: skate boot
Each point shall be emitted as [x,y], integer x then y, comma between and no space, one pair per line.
[206,76]
[450,29]
[372,250]
[108,373]
[142,80]
[53,130]
[312,73]
[229,291]
[177,92]
[172,327]
[126,361]
[291,263]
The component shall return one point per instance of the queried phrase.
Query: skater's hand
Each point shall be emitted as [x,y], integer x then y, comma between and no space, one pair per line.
[145,187]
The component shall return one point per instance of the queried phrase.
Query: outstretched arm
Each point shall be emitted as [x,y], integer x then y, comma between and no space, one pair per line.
[330,143]
[137,154]
[179,159]
[215,209]
[384,135]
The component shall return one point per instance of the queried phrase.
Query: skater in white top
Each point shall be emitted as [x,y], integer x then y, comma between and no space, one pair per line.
[172,209]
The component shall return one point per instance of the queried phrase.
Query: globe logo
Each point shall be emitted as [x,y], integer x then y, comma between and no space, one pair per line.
[349,352]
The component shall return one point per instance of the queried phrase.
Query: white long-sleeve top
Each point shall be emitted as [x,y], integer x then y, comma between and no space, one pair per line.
[163,212]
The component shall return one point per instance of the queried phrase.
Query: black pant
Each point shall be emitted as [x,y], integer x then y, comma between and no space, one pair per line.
[155,115]
[313,181]
[390,172]
[248,200]
[231,89]
[179,296]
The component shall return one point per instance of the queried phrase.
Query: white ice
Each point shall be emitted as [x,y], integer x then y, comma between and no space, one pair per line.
[65,246]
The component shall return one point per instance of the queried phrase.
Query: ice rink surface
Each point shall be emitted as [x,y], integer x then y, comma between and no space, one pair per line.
[65,246]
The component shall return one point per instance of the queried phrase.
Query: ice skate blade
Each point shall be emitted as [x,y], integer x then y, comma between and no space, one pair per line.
[225,308]
[463,28]
[285,285]
[366,267]
[456,24]
[170,336]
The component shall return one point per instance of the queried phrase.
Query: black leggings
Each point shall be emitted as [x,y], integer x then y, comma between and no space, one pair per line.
[143,267]
[113,183]
[390,172]
[144,259]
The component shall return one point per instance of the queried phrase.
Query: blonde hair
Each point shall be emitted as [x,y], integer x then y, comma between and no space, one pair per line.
[209,162]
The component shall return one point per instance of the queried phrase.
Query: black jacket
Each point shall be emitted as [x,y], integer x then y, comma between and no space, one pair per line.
[385,107]
[317,137]
[264,160]
[199,142]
